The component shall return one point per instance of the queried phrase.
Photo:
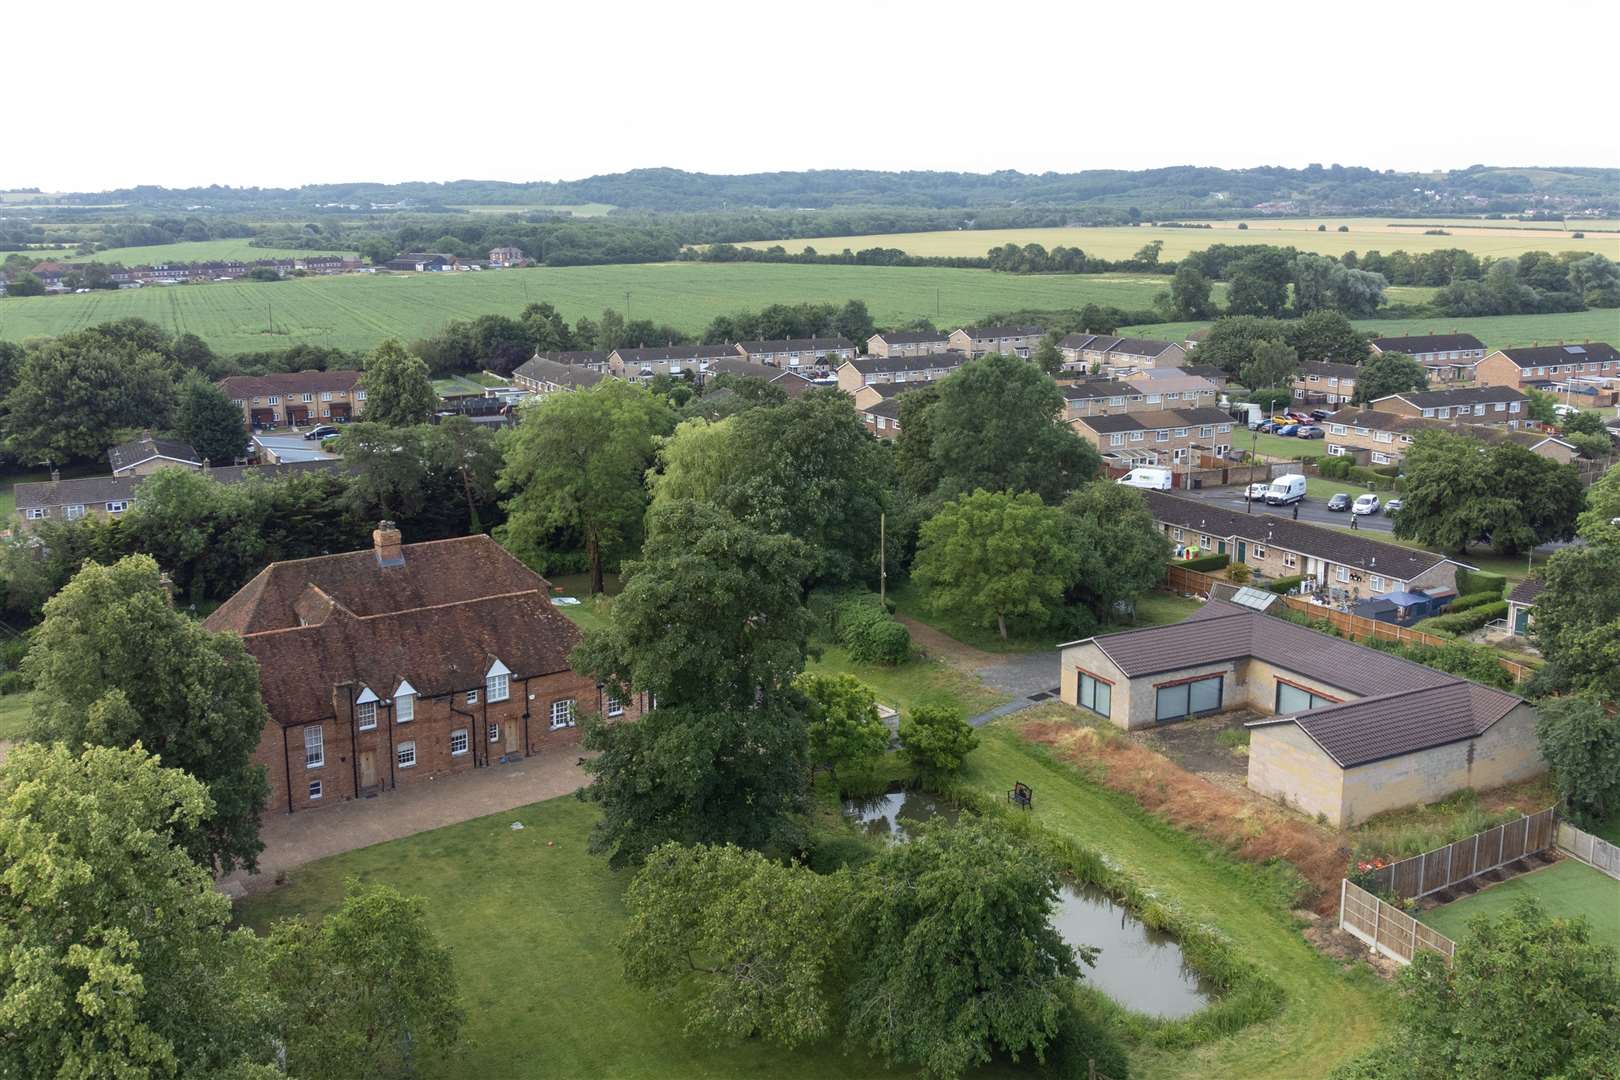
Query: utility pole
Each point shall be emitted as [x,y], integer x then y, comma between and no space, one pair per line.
[883,558]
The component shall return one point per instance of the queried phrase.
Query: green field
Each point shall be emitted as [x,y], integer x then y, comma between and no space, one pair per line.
[1567,888]
[1366,234]
[186,252]
[592,209]
[355,311]
[1496,331]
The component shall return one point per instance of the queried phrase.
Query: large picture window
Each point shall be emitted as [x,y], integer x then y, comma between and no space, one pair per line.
[1192,698]
[1293,699]
[1095,694]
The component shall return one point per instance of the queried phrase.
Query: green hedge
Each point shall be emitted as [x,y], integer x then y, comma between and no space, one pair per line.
[1203,562]
[861,624]
[1470,600]
[1470,582]
[1285,585]
[1463,622]
[1381,478]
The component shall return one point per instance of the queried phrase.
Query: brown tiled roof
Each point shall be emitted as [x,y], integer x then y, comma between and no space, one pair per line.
[796,345]
[125,455]
[1140,346]
[1335,545]
[674,352]
[911,337]
[575,356]
[1426,343]
[977,332]
[1328,369]
[1374,728]
[1085,341]
[93,489]
[239,387]
[1526,591]
[435,573]
[540,369]
[1085,389]
[1482,428]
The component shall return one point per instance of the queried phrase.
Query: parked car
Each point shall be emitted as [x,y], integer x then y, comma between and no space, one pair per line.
[1366,504]
[1258,491]
[1267,428]
[1392,506]
[321,432]
[1287,429]
[1340,501]
[1308,431]
[330,435]
[1320,414]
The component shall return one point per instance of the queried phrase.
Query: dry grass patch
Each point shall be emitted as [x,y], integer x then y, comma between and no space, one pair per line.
[1252,828]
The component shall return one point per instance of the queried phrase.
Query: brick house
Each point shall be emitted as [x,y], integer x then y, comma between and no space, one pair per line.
[296,398]
[1164,437]
[811,352]
[676,361]
[1345,732]
[1502,406]
[406,663]
[983,340]
[1448,358]
[790,380]
[1110,353]
[924,367]
[1346,565]
[1326,381]
[907,343]
[146,454]
[1109,397]
[542,374]
[1544,365]
[504,257]
[1374,437]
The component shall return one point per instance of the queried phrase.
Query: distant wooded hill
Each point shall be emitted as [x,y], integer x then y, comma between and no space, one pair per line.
[1150,192]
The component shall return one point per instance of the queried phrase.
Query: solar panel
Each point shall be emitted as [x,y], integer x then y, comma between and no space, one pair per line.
[1258,599]
[1575,349]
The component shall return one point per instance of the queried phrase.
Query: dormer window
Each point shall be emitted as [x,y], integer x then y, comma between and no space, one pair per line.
[497,682]
[404,703]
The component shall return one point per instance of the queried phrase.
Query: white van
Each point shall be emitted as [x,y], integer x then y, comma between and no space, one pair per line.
[1289,488]
[1155,479]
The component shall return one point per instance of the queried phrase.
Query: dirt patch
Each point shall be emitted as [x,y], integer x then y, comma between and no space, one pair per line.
[1326,937]
[1197,746]
[1252,828]
[938,644]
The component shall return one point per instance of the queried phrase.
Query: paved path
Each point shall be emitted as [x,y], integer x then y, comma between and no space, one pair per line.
[290,840]
[1030,678]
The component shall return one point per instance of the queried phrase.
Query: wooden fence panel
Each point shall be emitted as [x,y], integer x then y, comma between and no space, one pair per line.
[1356,626]
[1471,856]
[1388,929]
[1594,851]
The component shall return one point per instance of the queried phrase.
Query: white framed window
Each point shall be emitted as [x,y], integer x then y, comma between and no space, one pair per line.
[35,513]
[1116,439]
[309,397]
[1380,459]
[1513,406]
[404,703]
[472,697]
[615,707]
[117,506]
[1206,431]
[1224,428]
[1445,414]
[1335,450]
[494,733]
[365,715]
[1429,413]
[562,713]
[405,755]
[1377,583]
[498,687]
[1162,436]
[1343,573]
[1383,436]
[1203,541]
[275,399]
[75,512]
[314,747]
[1259,552]
[1137,436]
[458,742]
[314,790]
[359,395]
[326,395]
[1181,433]
[1337,429]
[1177,534]
[1290,560]
[1501,406]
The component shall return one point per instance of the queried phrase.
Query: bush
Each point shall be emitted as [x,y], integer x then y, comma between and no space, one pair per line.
[1239,573]
[1463,622]
[1378,479]
[935,739]
[1285,585]
[1203,562]
[14,682]
[1475,581]
[1471,600]
[858,621]
[1083,1037]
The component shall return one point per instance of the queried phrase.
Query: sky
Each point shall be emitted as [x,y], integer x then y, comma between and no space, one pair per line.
[185,93]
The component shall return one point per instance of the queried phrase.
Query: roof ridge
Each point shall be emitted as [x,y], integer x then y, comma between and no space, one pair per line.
[367,550]
[395,614]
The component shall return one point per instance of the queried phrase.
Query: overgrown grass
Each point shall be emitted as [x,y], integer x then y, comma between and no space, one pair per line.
[1409,831]
[911,600]
[916,682]
[1608,830]
[1569,889]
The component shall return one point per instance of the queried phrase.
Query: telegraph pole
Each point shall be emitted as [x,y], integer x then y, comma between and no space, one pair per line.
[883,558]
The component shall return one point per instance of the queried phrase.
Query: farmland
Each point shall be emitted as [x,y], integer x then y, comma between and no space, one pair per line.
[595,209]
[1365,234]
[355,311]
[185,252]
[1496,331]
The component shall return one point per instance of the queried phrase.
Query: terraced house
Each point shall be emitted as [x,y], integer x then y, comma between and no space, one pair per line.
[1110,354]
[1339,730]
[146,455]
[542,374]
[113,496]
[1544,367]
[296,398]
[811,352]
[404,664]
[925,367]
[1346,566]
[907,343]
[1448,358]
[1165,437]
[1502,406]
[1374,437]
[983,340]
[1109,397]
[1325,382]
[676,361]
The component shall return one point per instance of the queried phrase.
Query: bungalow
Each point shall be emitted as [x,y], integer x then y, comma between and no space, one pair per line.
[1325,381]
[1521,602]
[421,261]
[146,454]
[1500,405]
[1448,358]
[676,361]
[1346,732]
[983,340]
[290,397]
[1375,437]
[924,367]
[112,496]
[406,663]
[907,343]
[1521,367]
[542,375]
[811,352]
[1346,566]
[1159,436]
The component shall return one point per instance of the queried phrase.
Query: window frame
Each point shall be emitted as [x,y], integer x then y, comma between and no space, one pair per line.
[316,790]
[314,748]
[503,681]
[464,736]
[570,711]
[365,716]
[401,749]
[404,708]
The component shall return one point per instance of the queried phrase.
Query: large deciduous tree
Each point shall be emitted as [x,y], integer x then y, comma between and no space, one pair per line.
[115,664]
[1577,618]
[1389,373]
[367,991]
[1326,284]
[1599,523]
[998,425]
[993,556]
[577,461]
[957,958]
[1190,294]
[1123,553]
[1458,491]
[399,392]
[115,960]
[75,393]
[1580,740]
[1233,339]
[843,724]
[1274,364]
[744,946]
[1326,335]
[1258,284]
[205,417]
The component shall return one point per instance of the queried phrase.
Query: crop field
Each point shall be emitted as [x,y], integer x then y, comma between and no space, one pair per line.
[1366,234]
[1567,888]
[356,311]
[1496,331]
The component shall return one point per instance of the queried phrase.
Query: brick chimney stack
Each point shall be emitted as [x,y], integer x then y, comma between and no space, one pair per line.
[385,540]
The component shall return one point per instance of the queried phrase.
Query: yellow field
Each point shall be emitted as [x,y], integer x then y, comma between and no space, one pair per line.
[1366,234]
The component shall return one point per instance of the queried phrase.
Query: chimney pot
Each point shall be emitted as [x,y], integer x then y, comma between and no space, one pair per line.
[385,541]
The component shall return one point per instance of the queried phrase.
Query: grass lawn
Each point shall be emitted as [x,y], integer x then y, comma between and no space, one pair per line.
[911,600]
[1568,888]
[1157,608]
[1608,830]
[1496,331]
[14,715]
[916,682]
[1280,447]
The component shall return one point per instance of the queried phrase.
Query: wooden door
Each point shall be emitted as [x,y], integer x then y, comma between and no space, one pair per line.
[511,737]
[368,768]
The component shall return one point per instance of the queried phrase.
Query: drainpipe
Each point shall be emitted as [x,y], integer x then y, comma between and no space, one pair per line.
[286,767]
[472,725]
[483,710]
[393,755]
[526,750]
[354,748]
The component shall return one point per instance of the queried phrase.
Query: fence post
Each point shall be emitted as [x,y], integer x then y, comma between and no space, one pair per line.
[1344,888]
[1378,909]
[1423,876]
[1448,865]
[1413,954]
[1474,869]
[1524,845]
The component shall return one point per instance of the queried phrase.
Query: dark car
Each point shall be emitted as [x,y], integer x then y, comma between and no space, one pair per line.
[1341,501]
[1320,414]
[321,432]
[1267,428]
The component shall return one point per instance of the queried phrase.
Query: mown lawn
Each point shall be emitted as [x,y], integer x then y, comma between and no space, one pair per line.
[1567,888]
[916,682]
[1279,447]
[1157,608]
[14,709]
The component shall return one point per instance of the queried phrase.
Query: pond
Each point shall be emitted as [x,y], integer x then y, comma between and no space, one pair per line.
[1142,969]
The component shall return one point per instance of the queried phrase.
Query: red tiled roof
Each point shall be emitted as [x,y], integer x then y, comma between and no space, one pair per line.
[238,387]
